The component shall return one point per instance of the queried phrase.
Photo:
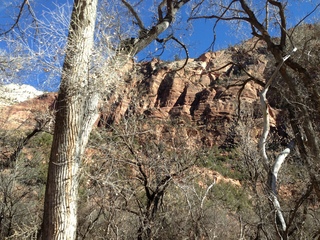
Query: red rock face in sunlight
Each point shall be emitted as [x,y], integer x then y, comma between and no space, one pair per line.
[23,115]
[204,93]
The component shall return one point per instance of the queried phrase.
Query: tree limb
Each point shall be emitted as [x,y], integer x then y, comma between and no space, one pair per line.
[17,19]
[160,13]
[283,24]
[162,24]
[304,18]
[293,213]
[164,40]
[134,13]
[273,172]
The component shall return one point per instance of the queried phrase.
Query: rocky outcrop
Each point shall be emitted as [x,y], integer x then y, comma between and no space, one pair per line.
[25,115]
[205,92]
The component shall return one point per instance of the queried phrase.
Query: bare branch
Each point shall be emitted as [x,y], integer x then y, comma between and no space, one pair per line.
[37,129]
[206,193]
[196,7]
[298,204]
[186,51]
[283,24]
[220,18]
[163,23]
[160,13]
[134,13]
[304,18]
[216,23]
[18,18]
[180,43]
[254,21]
[273,172]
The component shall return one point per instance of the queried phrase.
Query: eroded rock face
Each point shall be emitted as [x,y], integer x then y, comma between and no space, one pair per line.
[24,115]
[205,92]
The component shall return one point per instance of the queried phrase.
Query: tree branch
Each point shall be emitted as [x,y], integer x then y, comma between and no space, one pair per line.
[17,19]
[37,129]
[283,24]
[186,51]
[273,173]
[256,24]
[293,213]
[180,43]
[160,13]
[135,46]
[265,111]
[135,14]
[304,18]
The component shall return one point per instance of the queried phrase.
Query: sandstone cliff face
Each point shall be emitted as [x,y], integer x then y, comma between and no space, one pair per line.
[203,95]
[205,92]
[24,115]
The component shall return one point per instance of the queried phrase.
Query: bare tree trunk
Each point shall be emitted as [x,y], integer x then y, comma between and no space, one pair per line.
[76,114]
[77,111]
[274,170]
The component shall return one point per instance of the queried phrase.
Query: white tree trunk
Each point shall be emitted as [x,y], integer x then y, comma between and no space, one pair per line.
[75,116]
[273,172]
[76,113]
[277,165]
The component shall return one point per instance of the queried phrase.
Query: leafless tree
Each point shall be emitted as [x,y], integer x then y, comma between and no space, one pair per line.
[77,109]
[297,79]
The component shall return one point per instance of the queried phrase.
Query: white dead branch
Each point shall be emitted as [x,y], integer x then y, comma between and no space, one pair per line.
[262,147]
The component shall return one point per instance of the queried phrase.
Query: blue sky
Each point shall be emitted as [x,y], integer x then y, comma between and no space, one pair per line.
[198,38]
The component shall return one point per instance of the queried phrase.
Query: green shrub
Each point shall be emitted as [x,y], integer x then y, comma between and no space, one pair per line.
[43,140]
[232,197]
[222,161]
